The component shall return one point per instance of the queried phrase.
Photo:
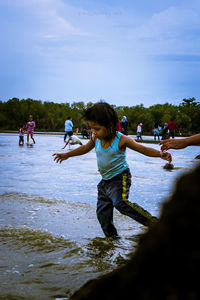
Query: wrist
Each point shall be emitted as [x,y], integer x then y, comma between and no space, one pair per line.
[186,142]
[66,155]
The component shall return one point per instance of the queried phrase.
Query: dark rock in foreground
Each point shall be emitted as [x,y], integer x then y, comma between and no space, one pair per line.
[166,262]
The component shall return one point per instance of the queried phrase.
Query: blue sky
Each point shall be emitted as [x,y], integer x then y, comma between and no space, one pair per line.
[125,52]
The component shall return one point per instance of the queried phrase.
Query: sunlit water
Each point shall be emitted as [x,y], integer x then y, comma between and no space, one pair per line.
[51,241]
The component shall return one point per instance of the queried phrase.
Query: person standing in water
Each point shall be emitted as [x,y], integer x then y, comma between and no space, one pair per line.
[21,135]
[156,131]
[110,146]
[124,125]
[30,128]
[172,127]
[68,128]
[139,131]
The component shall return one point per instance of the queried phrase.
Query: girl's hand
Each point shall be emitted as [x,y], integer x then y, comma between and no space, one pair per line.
[59,157]
[166,156]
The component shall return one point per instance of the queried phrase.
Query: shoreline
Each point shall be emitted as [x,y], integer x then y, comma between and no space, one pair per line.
[146,141]
[79,133]
[35,132]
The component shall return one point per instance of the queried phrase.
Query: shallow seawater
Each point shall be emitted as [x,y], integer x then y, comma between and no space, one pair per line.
[50,240]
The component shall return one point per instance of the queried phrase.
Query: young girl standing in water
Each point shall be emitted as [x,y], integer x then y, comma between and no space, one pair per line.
[110,147]
[21,135]
[30,128]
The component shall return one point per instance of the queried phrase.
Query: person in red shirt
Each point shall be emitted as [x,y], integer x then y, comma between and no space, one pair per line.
[173,127]
[119,126]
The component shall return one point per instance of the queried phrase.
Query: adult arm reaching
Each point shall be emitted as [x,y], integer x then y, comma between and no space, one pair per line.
[180,143]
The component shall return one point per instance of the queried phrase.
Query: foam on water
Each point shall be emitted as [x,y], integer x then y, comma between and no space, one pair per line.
[37,240]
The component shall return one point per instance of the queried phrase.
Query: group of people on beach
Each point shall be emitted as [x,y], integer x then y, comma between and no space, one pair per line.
[169,129]
[30,131]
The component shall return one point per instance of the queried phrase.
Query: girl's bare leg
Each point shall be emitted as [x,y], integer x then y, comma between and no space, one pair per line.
[32,138]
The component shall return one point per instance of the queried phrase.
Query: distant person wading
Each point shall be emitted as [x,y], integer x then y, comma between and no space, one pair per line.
[173,127]
[124,125]
[139,131]
[68,128]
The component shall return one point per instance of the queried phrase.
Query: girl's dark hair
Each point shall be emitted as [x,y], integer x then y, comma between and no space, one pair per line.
[104,114]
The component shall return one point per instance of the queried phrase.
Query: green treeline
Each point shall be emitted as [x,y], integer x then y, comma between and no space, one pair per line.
[50,116]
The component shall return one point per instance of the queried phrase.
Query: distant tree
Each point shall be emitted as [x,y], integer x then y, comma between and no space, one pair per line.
[50,116]
[190,109]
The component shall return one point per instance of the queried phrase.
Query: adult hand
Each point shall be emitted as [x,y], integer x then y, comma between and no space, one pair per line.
[173,144]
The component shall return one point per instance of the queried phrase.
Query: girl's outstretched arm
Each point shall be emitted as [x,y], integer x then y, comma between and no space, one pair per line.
[59,157]
[127,141]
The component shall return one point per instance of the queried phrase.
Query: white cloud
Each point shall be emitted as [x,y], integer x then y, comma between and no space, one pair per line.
[55,26]
[49,14]
[167,31]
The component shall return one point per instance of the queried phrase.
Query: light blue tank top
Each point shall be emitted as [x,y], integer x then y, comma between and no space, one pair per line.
[111,161]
